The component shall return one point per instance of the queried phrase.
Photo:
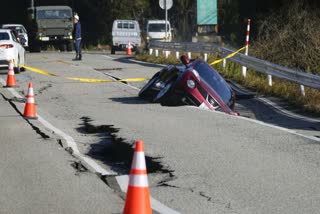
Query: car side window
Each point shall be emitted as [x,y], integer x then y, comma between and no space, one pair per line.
[13,36]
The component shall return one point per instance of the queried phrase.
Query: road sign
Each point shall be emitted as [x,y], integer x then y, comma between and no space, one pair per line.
[165,4]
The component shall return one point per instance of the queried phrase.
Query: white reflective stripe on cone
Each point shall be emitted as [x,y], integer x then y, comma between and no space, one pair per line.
[139,161]
[30,92]
[30,100]
[11,72]
[138,181]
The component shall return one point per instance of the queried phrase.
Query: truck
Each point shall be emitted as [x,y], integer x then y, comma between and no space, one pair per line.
[50,25]
[156,30]
[125,32]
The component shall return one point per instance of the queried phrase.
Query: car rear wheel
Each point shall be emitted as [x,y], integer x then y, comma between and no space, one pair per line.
[147,92]
[17,68]
[69,46]
[113,50]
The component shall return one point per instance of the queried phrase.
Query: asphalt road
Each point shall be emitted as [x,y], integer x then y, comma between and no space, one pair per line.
[198,161]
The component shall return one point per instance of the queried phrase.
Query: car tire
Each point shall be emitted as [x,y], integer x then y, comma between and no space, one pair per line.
[69,46]
[147,92]
[23,68]
[61,47]
[17,69]
[113,50]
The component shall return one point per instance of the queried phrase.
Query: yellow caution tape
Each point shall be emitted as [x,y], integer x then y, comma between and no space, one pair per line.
[133,79]
[38,71]
[63,62]
[101,80]
[84,79]
[88,80]
[229,56]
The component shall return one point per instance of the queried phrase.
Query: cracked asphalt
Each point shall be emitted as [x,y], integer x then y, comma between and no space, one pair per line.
[211,162]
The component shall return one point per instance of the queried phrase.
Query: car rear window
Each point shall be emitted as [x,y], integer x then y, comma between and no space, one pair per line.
[214,80]
[18,29]
[54,14]
[125,25]
[4,36]
[158,27]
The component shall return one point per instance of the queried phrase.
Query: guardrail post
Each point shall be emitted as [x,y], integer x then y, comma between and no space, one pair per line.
[177,54]
[270,80]
[150,51]
[303,93]
[205,57]
[167,53]
[157,52]
[189,55]
[224,62]
[244,69]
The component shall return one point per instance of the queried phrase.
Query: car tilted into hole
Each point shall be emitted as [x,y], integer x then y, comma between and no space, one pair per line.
[194,82]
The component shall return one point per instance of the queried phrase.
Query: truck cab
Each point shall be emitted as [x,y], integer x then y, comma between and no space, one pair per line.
[50,25]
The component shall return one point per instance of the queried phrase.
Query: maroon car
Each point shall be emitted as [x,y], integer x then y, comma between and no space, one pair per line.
[193,83]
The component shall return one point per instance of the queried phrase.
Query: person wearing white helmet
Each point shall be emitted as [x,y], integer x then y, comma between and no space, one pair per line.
[77,37]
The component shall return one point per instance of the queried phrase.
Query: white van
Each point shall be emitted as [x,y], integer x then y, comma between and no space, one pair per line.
[156,30]
[123,32]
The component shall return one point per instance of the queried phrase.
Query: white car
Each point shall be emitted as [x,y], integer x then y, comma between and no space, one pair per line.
[21,30]
[11,49]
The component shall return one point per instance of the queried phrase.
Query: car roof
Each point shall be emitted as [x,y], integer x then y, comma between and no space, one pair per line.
[5,30]
[125,20]
[151,21]
[12,25]
[54,7]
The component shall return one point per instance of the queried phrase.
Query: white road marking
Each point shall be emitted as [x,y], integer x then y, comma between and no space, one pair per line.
[286,112]
[262,123]
[123,183]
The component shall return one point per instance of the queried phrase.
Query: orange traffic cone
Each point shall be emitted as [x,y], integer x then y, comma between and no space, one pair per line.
[11,79]
[138,196]
[30,108]
[129,52]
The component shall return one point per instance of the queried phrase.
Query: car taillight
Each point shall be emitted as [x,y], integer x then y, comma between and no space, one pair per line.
[6,46]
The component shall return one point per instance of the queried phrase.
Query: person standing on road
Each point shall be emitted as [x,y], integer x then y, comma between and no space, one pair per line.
[77,37]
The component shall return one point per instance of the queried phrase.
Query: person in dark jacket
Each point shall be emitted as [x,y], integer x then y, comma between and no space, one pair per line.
[77,37]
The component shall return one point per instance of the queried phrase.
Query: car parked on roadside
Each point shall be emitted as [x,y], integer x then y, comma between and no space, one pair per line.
[11,49]
[123,33]
[194,82]
[22,33]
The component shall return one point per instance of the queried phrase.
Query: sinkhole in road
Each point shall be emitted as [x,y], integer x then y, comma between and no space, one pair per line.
[115,151]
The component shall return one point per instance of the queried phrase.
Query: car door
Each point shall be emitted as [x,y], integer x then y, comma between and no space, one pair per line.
[20,51]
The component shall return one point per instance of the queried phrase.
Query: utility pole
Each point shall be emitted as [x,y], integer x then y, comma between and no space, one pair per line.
[165,8]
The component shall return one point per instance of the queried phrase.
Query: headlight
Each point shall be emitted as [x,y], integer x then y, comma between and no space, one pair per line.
[191,84]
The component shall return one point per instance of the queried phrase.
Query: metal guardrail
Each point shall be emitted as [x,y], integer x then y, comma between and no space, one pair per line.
[259,65]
